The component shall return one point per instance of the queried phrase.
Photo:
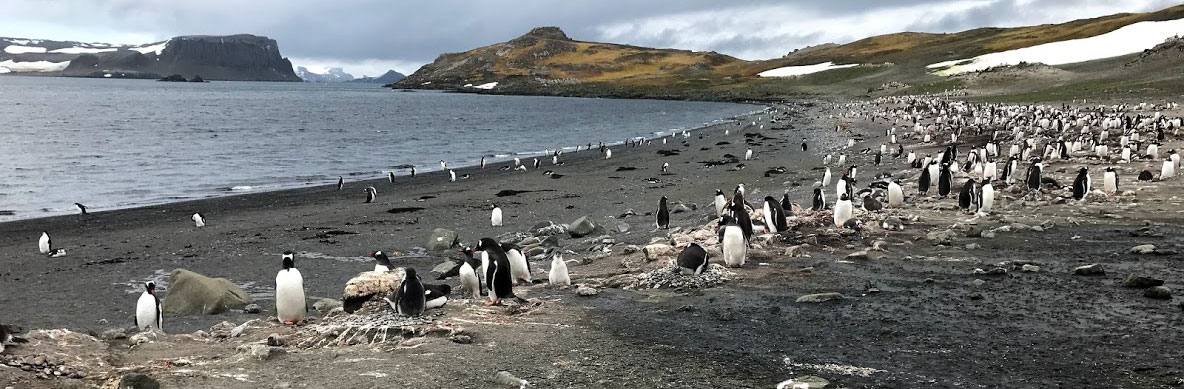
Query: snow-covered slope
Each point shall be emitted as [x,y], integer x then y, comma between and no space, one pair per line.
[791,71]
[323,74]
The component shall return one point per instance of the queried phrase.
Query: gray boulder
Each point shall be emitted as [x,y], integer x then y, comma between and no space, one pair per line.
[1089,270]
[190,293]
[442,239]
[820,297]
[1134,281]
[581,227]
[1158,293]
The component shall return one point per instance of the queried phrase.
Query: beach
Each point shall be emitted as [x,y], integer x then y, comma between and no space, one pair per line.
[914,312]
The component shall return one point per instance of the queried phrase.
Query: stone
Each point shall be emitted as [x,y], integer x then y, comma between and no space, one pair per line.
[541,226]
[974,232]
[978,282]
[462,339]
[988,234]
[587,291]
[443,267]
[658,251]
[275,340]
[1143,249]
[997,272]
[973,246]
[1030,268]
[820,297]
[325,305]
[1089,270]
[535,251]
[680,208]
[858,255]
[252,309]
[942,237]
[190,293]
[138,381]
[442,239]
[630,249]
[1158,293]
[221,330]
[805,382]
[258,351]
[796,251]
[114,334]
[238,330]
[623,227]
[1134,281]
[581,227]
[532,240]
[370,285]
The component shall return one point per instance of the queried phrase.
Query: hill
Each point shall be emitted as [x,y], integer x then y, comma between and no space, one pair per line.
[389,77]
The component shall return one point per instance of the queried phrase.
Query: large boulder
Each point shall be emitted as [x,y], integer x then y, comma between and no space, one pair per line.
[442,239]
[190,293]
[370,286]
[658,251]
[581,227]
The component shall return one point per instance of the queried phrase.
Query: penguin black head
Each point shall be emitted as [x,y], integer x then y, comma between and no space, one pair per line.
[1110,169]
[486,244]
[289,260]
[663,200]
[1083,170]
[381,258]
[150,287]
[726,220]
[445,289]
[410,274]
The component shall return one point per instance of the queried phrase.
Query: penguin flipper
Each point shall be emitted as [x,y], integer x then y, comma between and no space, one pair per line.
[455,271]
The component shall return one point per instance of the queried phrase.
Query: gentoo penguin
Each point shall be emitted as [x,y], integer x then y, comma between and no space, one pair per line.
[786,205]
[482,161]
[371,193]
[739,189]
[148,312]
[842,159]
[967,196]
[495,217]
[391,177]
[1168,170]
[498,279]
[340,182]
[413,172]
[721,201]
[382,263]
[43,243]
[986,197]
[732,242]
[608,153]
[1081,185]
[843,210]
[1146,175]
[895,195]
[934,171]
[81,208]
[923,181]
[435,296]
[819,200]
[469,280]
[826,159]
[663,214]
[536,164]
[1033,177]
[774,215]
[803,144]
[1110,181]
[558,274]
[826,177]
[692,259]
[517,161]
[411,297]
[870,203]
[290,304]
[1010,170]
[443,165]
[198,220]
[519,266]
[665,167]
[740,216]
[748,154]
[451,175]
[945,181]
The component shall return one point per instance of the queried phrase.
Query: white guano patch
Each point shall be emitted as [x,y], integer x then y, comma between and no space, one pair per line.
[794,71]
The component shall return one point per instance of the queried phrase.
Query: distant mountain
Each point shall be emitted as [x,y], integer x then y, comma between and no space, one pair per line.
[230,58]
[323,74]
[389,77]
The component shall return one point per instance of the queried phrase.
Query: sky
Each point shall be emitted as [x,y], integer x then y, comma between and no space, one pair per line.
[368,37]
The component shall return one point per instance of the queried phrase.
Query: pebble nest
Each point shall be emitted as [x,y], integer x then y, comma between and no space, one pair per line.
[370,326]
[670,277]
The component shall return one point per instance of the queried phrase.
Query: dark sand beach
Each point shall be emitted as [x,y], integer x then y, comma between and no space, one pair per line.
[915,313]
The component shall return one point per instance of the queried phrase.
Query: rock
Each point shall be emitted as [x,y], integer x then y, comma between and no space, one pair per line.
[258,351]
[630,249]
[820,297]
[540,226]
[973,246]
[581,227]
[550,241]
[1158,293]
[628,212]
[509,380]
[974,232]
[138,381]
[535,251]
[587,291]
[978,272]
[658,251]
[325,305]
[620,281]
[275,340]
[680,208]
[1134,281]
[252,309]
[145,337]
[988,234]
[442,239]
[368,285]
[114,334]
[805,382]
[221,330]
[623,227]
[796,251]
[1089,270]
[997,272]
[461,339]
[1143,249]
[942,237]
[238,331]
[1030,268]
[978,282]
[531,240]
[443,267]
[190,293]
[858,255]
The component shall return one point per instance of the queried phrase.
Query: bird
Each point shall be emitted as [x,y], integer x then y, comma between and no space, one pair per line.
[968,196]
[382,263]
[608,153]
[371,193]
[665,167]
[495,217]
[81,208]
[826,177]
[148,312]
[498,279]
[895,195]
[482,161]
[519,266]
[410,299]
[451,175]
[774,215]
[692,259]
[819,200]
[43,243]
[198,220]
[843,210]
[1110,181]
[413,171]
[558,274]
[443,165]
[663,214]
[391,177]
[721,201]
[470,281]
[732,242]
[435,296]
[748,154]
[1082,184]
[340,182]
[290,304]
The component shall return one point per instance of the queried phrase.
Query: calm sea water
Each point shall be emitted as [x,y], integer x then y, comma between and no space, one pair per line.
[121,143]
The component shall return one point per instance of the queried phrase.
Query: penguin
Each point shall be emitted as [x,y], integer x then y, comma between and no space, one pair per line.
[786,205]
[663,214]
[739,190]
[498,279]
[81,208]
[451,175]
[843,209]
[536,163]
[148,312]
[495,217]
[721,201]
[895,195]
[443,165]
[804,144]
[1081,185]
[371,193]
[842,159]
[1033,177]
[819,200]
[558,274]
[748,154]
[923,181]
[382,263]
[774,215]
[519,266]
[870,203]
[1110,181]
[967,196]
[1168,170]
[391,177]
[986,197]
[826,177]
[1009,171]
[665,167]
[517,161]
[1145,175]
[198,220]
[934,171]
[692,260]
[482,162]
[945,181]
[826,160]
[290,304]
[411,297]
[470,281]
[608,153]
[732,242]
[413,172]
[43,243]
[340,182]
[741,217]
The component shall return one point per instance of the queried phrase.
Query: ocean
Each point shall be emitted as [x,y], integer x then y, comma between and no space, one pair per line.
[110,143]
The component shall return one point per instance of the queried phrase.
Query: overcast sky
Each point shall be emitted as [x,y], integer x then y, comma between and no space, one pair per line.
[367,37]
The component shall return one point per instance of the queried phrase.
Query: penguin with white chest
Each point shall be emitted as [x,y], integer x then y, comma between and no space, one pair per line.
[290,304]
[382,263]
[199,221]
[498,281]
[43,245]
[411,298]
[819,200]
[435,296]
[558,274]
[895,195]
[663,214]
[774,215]
[986,198]
[968,196]
[721,202]
[732,242]
[1110,181]
[692,259]
[519,266]
[148,312]
[495,217]
[1082,184]
[945,181]
[843,210]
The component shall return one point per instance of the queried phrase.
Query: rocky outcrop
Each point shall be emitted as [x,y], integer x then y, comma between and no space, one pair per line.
[390,77]
[327,75]
[190,293]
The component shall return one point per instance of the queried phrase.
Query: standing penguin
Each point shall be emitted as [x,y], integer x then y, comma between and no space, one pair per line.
[498,279]
[43,243]
[451,175]
[340,182]
[819,200]
[81,208]
[148,312]
[1168,170]
[495,217]
[558,274]
[482,161]
[391,177]
[986,197]
[732,242]
[692,259]
[413,172]
[721,202]
[290,304]
[663,214]
[786,205]
[608,153]
[748,154]
[895,195]
[774,215]
[826,177]
[1033,177]
[410,298]
[968,196]
[665,167]
[469,280]
[803,144]
[741,217]
[1110,181]
[198,220]
[945,181]
[519,266]
[382,263]
[536,164]
[1082,184]
[843,210]
[371,193]
[924,181]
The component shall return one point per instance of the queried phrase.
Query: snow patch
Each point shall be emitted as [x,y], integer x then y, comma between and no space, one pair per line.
[80,50]
[793,71]
[157,48]
[18,49]
[32,66]
[1126,40]
[486,86]
[19,41]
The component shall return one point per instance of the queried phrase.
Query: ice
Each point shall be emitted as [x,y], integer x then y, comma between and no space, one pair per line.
[154,48]
[18,49]
[80,50]
[32,66]
[792,71]
[486,86]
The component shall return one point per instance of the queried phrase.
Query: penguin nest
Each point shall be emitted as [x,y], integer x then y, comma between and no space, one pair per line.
[372,327]
[671,277]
